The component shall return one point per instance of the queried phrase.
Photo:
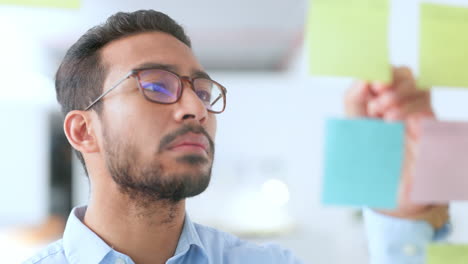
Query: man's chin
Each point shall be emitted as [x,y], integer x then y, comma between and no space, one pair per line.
[192,160]
[172,188]
[189,185]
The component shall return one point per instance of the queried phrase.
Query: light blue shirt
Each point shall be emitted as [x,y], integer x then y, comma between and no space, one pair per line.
[399,241]
[391,240]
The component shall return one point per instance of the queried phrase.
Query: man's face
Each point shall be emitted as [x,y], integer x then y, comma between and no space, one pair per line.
[155,151]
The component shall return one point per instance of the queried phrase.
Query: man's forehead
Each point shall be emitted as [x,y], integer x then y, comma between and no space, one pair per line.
[172,68]
[141,49]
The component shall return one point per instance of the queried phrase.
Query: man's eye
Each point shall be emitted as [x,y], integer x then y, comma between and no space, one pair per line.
[204,95]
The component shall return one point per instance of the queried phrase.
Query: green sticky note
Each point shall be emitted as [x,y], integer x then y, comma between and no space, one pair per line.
[443,55]
[363,163]
[447,254]
[349,38]
[72,4]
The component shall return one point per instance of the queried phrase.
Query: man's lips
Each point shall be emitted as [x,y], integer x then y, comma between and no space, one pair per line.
[190,141]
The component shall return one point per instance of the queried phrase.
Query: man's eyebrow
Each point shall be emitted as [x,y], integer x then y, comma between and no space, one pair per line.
[153,65]
[200,74]
[171,68]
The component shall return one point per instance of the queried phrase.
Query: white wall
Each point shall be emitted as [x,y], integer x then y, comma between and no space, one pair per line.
[26,98]
[23,164]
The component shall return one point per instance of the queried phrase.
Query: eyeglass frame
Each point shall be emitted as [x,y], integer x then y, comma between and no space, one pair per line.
[134,73]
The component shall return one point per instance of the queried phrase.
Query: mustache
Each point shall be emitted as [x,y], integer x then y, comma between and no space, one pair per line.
[166,140]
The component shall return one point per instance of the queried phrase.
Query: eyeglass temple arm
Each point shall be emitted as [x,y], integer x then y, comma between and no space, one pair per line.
[109,90]
[219,97]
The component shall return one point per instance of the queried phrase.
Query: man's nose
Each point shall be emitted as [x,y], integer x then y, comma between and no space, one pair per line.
[190,106]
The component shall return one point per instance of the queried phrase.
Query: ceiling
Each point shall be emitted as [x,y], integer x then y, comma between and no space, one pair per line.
[241,35]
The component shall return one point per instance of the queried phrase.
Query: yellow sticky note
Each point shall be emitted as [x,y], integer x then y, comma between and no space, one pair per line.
[349,38]
[443,46]
[72,4]
[447,254]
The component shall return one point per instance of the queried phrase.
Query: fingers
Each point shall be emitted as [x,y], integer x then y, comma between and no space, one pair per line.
[379,87]
[356,99]
[359,90]
[401,74]
[408,107]
[405,90]
[391,101]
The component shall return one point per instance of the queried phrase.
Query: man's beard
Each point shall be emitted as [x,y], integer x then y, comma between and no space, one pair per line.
[150,182]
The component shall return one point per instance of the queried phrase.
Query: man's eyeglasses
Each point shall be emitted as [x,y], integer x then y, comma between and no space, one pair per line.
[165,87]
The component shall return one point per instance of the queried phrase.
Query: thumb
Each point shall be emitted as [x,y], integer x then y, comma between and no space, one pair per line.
[356,99]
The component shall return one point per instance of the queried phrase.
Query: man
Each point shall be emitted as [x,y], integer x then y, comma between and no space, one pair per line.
[141,112]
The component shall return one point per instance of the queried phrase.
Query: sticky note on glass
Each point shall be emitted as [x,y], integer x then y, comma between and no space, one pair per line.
[363,163]
[349,38]
[447,254]
[443,48]
[441,164]
[74,4]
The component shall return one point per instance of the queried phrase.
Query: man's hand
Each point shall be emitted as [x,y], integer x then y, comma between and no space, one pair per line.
[399,101]
[395,101]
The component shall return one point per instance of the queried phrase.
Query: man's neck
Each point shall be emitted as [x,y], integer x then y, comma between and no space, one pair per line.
[147,234]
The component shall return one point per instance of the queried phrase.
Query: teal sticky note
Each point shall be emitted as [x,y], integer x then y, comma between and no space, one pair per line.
[363,162]
[349,38]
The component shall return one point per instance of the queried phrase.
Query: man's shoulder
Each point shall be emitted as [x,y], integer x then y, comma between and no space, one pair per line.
[51,254]
[210,236]
[231,246]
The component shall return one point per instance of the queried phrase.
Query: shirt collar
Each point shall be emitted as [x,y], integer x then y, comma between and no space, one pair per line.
[82,245]
[188,237]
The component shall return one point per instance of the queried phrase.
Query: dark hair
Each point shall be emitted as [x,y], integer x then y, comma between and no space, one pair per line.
[81,75]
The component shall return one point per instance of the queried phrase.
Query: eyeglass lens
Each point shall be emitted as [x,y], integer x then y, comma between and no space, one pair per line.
[165,87]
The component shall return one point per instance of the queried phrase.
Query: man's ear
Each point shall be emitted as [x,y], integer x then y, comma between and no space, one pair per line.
[79,132]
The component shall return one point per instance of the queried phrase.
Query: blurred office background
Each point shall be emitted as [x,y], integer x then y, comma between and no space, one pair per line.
[267,175]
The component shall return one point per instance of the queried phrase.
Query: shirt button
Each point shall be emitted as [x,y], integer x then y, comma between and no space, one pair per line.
[120,261]
[410,250]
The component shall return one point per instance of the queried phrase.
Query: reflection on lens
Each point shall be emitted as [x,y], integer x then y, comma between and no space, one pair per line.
[160,86]
[156,87]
